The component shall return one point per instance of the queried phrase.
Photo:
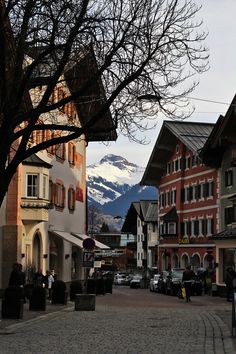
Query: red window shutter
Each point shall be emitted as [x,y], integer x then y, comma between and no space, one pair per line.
[63,196]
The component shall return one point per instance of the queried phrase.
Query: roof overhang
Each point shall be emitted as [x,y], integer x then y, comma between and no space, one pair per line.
[68,237]
[98,244]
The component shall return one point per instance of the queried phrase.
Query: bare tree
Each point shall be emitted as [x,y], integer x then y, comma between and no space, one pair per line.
[133,47]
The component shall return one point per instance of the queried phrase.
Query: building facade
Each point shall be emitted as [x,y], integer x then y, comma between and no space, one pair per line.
[44,214]
[220,152]
[188,196]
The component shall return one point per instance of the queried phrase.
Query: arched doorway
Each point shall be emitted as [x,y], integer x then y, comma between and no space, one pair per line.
[37,252]
[164,261]
[175,261]
[195,261]
[184,260]
[55,257]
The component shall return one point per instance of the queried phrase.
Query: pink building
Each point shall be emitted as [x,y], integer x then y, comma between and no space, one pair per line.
[188,195]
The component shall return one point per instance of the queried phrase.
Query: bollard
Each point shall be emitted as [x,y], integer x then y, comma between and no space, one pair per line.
[234,315]
[85,302]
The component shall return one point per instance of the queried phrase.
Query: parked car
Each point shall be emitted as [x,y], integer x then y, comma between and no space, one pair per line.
[136,281]
[153,285]
[174,282]
[162,282]
[120,279]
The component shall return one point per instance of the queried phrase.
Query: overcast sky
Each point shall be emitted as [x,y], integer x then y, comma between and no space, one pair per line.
[217,84]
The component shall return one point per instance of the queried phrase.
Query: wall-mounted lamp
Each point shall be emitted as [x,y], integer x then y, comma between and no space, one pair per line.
[22,255]
[45,256]
[67,256]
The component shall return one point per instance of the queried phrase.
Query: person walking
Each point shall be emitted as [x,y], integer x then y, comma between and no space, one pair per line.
[49,280]
[229,279]
[17,277]
[188,276]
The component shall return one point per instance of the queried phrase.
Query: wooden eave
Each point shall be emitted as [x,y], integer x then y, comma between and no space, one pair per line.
[161,153]
[104,129]
[222,136]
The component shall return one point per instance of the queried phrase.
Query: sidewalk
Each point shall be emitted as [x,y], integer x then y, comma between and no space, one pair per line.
[30,315]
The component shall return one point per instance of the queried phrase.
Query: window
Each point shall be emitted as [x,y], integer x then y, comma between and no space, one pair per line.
[210,226]
[71,199]
[167,195]
[173,196]
[230,215]
[192,228]
[32,185]
[168,168]
[59,195]
[194,192]
[200,224]
[187,162]
[194,160]
[228,178]
[162,200]
[171,228]
[71,153]
[60,151]
[209,189]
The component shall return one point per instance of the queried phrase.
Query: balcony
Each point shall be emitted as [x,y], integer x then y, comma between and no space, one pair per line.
[34,210]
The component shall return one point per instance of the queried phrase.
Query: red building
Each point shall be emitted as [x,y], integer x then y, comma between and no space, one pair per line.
[188,195]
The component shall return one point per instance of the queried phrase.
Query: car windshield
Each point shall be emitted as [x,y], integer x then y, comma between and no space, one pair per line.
[178,274]
[137,277]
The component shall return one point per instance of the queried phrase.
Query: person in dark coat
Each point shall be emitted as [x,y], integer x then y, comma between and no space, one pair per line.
[17,276]
[188,276]
[229,277]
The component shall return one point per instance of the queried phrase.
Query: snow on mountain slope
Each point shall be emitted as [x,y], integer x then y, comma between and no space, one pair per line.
[112,177]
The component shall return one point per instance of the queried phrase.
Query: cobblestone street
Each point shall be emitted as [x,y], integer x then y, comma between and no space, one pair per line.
[129,321]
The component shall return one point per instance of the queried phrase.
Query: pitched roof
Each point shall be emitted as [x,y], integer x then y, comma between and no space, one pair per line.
[35,160]
[224,235]
[152,212]
[192,134]
[140,209]
[171,215]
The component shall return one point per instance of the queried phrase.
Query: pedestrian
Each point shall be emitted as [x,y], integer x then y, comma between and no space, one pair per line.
[17,277]
[38,278]
[188,276]
[229,279]
[48,281]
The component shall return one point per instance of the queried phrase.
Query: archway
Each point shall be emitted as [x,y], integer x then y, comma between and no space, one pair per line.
[185,260]
[195,261]
[175,261]
[55,257]
[164,262]
[37,252]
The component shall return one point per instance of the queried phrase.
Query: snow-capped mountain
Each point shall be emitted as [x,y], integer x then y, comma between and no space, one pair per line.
[113,184]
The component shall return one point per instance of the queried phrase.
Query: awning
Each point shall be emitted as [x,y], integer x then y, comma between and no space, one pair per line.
[97,243]
[68,237]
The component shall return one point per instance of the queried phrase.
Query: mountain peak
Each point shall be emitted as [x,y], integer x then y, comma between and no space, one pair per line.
[117,161]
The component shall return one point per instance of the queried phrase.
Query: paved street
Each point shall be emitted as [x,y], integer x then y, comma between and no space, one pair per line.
[132,321]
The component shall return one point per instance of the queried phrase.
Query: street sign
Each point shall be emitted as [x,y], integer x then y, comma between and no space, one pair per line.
[88,259]
[89,243]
